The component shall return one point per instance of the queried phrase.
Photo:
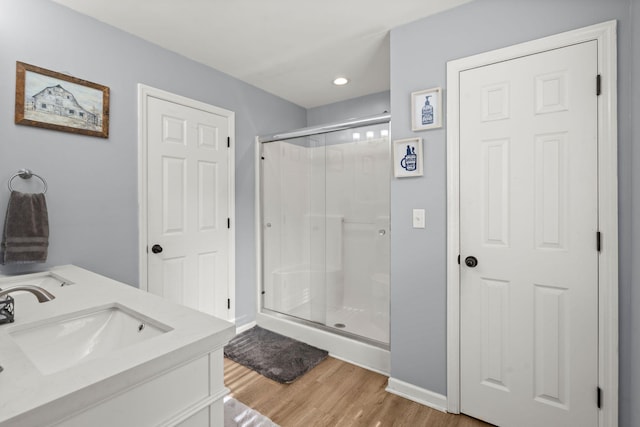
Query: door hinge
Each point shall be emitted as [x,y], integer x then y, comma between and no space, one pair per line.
[228,142]
[228,303]
[458,259]
[598,85]
[228,222]
[599,392]
[598,241]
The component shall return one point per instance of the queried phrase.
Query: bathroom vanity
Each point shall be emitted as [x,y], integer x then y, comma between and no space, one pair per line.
[103,353]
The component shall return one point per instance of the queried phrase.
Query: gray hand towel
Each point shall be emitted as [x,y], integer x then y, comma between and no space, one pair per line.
[26,229]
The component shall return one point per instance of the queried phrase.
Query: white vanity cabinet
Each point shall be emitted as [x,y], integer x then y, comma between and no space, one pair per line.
[173,378]
[186,395]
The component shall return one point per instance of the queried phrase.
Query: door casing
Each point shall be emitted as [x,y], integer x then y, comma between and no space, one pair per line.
[605,35]
[144,92]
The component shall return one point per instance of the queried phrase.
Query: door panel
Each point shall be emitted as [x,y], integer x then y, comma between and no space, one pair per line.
[528,212]
[551,173]
[495,157]
[188,205]
[495,320]
[550,324]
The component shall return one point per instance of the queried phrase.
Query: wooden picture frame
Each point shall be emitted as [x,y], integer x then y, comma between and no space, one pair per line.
[407,157]
[426,109]
[52,100]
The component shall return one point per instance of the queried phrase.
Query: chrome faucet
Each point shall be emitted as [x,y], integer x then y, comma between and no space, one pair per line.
[42,294]
[6,304]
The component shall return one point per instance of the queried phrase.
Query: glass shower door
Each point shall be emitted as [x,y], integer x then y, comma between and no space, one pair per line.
[357,204]
[293,243]
[325,230]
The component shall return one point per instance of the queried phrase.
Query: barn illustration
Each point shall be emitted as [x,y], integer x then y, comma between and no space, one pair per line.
[59,101]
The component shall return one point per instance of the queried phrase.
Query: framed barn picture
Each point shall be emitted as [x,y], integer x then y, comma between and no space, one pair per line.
[52,100]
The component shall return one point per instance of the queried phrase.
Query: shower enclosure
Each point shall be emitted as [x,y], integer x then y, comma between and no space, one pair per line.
[324,202]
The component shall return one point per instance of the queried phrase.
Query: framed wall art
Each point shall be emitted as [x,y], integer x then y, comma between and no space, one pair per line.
[426,109]
[52,100]
[407,157]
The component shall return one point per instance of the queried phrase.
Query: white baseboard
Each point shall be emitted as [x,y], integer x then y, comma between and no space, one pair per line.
[360,365]
[240,329]
[417,394]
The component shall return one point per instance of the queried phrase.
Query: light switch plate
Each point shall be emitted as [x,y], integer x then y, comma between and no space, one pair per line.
[419,218]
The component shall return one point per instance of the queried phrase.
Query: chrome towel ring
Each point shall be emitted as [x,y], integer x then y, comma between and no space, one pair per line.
[27,174]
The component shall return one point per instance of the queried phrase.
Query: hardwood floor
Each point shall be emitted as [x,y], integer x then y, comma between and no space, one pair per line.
[334,393]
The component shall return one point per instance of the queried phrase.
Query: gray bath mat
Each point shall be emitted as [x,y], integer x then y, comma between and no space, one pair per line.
[275,356]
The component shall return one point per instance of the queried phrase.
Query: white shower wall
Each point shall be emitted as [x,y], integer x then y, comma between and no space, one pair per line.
[326,232]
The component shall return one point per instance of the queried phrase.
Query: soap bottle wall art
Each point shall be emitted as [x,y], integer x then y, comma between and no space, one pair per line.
[427,112]
[407,157]
[426,109]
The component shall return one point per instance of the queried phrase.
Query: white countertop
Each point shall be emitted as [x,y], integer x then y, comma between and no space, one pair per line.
[29,398]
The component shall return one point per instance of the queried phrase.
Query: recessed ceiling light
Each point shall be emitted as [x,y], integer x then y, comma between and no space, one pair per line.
[341,81]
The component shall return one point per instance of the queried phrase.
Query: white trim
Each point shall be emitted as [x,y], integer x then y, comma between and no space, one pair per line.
[372,368]
[145,92]
[608,225]
[417,394]
[605,35]
[246,327]
[258,223]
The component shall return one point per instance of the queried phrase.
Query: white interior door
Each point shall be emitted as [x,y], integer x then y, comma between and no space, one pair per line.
[188,207]
[529,215]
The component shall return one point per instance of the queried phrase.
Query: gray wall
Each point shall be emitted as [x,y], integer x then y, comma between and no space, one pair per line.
[92,195]
[368,105]
[419,52]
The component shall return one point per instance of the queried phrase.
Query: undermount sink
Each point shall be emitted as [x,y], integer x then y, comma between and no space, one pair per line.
[63,342]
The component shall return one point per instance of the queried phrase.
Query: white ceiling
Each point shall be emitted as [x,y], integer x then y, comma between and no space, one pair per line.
[290,48]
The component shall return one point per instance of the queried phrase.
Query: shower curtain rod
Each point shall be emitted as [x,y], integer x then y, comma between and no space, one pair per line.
[330,127]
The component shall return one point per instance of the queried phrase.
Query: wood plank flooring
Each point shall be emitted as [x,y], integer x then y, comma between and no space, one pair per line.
[334,393]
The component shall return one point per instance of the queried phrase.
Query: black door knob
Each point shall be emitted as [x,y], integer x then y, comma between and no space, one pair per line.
[471,261]
[156,249]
